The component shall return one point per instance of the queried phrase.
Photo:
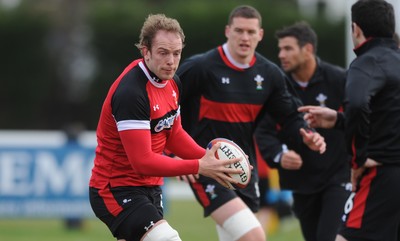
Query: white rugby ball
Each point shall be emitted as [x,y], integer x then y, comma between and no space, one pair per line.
[230,150]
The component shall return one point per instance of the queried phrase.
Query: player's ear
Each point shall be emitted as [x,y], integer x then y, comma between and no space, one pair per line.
[261,34]
[309,48]
[357,31]
[145,53]
[227,29]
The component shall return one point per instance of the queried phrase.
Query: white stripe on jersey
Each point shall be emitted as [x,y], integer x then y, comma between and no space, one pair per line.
[133,125]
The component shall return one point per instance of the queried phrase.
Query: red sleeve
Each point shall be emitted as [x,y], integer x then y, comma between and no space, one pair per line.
[178,137]
[145,162]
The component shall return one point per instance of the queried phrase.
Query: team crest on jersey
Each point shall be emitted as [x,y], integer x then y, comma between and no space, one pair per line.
[321,98]
[211,191]
[225,80]
[258,79]
[174,96]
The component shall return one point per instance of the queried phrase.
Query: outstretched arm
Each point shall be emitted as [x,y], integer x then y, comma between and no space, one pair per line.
[319,117]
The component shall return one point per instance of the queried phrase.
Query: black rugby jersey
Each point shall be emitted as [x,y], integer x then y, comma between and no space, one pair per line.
[325,88]
[221,100]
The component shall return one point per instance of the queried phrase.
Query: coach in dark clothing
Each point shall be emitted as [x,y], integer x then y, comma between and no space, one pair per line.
[320,183]
[371,123]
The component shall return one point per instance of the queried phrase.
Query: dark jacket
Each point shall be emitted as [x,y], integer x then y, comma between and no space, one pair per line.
[372,103]
[326,88]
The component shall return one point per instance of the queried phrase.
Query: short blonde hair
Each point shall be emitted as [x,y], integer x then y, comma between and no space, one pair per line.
[155,23]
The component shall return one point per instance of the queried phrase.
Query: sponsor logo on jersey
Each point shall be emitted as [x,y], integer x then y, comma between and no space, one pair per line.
[321,98]
[166,122]
[258,79]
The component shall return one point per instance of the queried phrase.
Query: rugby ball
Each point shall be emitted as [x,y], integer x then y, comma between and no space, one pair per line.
[229,150]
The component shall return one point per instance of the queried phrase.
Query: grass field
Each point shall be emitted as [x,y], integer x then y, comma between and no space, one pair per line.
[183,215]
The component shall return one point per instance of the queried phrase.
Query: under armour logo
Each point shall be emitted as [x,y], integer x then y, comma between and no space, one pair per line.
[225,80]
[149,227]
[156,107]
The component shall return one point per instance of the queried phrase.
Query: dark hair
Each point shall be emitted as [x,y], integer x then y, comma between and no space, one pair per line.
[244,11]
[300,31]
[374,17]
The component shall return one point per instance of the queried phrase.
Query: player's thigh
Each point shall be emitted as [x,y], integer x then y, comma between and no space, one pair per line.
[136,221]
[333,200]
[210,194]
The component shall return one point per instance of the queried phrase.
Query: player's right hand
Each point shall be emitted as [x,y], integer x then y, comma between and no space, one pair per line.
[290,160]
[217,169]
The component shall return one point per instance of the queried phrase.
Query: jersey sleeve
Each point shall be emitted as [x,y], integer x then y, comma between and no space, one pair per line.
[137,144]
[282,107]
[130,105]
[180,136]
[190,73]
[360,88]
[268,143]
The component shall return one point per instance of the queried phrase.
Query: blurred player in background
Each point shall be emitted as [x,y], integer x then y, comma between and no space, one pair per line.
[139,119]
[275,203]
[371,122]
[320,183]
[225,91]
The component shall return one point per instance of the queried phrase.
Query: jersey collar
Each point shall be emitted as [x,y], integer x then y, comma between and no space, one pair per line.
[152,77]
[229,61]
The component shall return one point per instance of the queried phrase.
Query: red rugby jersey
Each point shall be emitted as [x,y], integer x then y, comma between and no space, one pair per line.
[140,117]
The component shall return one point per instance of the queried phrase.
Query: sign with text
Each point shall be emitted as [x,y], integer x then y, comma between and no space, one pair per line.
[44,174]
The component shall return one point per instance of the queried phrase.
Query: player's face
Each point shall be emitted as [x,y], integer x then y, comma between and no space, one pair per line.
[165,54]
[243,36]
[291,55]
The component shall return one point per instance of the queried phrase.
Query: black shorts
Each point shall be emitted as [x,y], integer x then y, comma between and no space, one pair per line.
[320,213]
[373,212]
[211,195]
[127,211]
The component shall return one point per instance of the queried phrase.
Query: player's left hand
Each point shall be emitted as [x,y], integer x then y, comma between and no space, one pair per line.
[313,140]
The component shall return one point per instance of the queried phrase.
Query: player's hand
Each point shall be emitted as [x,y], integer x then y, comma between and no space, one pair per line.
[356,174]
[319,117]
[313,140]
[217,169]
[290,160]
[189,178]
[371,163]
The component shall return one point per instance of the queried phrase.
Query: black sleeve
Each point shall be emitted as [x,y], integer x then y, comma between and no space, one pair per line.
[282,107]
[281,110]
[190,73]
[268,143]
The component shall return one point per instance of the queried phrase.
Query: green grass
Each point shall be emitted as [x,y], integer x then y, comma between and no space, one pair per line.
[184,216]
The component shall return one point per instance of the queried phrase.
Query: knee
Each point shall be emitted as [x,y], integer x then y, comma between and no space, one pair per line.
[161,231]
